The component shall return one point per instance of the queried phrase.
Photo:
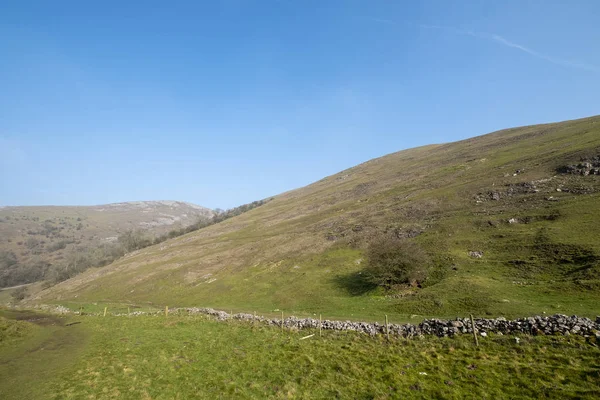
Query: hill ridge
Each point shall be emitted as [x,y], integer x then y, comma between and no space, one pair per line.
[35,239]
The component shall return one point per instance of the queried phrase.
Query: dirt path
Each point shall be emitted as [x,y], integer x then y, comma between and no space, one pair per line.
[15,287]
[33,317]
[27,368]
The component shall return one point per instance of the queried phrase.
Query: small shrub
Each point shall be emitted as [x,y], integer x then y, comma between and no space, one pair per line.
[60,245]
[32,243]
[19,293]
[133,240]
[392,261]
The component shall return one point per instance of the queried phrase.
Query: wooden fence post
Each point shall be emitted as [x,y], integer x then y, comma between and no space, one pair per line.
[320,325]
[166,311]
[105,311]
[387,329]
[282,321]
[474,331]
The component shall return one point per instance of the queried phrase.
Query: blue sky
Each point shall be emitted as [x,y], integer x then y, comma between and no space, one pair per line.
[225,102]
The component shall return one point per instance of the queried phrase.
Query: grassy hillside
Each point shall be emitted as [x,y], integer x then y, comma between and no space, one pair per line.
[37,236]
[303,252]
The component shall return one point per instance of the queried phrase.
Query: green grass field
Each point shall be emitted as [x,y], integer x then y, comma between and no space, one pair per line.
[184,357]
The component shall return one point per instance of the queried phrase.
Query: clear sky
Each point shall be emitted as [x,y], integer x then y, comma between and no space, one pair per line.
[225,102]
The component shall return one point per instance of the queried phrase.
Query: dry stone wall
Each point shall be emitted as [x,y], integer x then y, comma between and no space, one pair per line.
[539,325]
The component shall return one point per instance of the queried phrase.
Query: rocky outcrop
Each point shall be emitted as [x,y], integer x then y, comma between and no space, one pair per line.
[586,166]
[512,189]
[521,188]
[476,254]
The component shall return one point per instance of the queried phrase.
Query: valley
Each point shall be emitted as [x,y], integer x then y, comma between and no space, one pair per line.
[505,225]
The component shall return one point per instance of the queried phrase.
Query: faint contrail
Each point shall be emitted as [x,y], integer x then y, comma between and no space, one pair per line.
[500,40]
[534,53]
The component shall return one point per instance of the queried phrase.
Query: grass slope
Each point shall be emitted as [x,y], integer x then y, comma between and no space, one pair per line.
[183,357]
[302,251]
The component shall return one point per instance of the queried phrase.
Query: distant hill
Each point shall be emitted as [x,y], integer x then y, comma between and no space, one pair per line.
[43,235]
[509,220]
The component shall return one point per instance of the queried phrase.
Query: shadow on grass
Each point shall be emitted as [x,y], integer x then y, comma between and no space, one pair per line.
[355,284]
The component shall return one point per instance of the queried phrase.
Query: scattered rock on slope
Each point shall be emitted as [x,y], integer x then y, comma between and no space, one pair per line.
[586,166]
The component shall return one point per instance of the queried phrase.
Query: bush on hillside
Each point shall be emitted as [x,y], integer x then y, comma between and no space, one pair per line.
[19,293]
[82,258]
[60,245]
[32,243]
[14,273]
[133,240]
[7,259]
[392,261]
